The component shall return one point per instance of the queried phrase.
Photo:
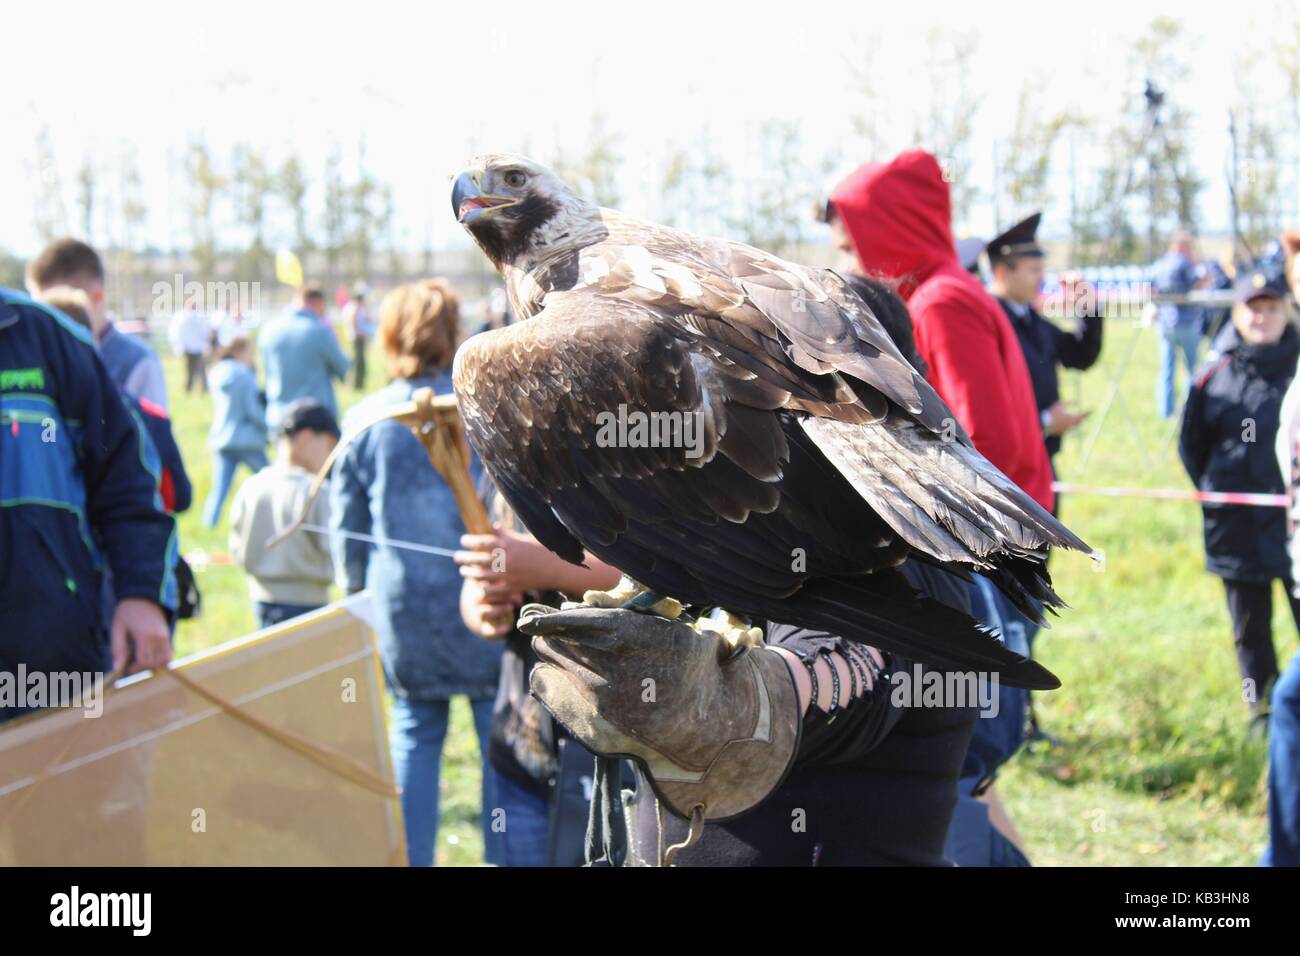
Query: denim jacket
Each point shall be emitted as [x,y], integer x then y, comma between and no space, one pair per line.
[238,418]
[302,357]
[384,486]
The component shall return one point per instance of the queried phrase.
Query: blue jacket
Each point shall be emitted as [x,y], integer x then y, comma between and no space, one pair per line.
[1174,274]
[384,486]
[78,496]
[176,490]
[238,419]
[301,356]
[133,365]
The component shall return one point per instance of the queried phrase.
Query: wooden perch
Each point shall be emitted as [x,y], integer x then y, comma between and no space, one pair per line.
[435,421]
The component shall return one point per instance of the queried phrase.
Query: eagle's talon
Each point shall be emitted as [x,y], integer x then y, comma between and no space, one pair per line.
[648,602]
[630,596]
[734,630]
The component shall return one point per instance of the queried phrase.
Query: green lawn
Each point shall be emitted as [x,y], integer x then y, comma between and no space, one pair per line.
[1154,767]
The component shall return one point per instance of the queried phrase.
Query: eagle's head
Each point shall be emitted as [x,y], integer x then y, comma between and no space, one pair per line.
[516,208]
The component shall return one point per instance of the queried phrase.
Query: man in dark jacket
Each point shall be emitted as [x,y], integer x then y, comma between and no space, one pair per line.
[1017,262]
[76,502]
[1229,430]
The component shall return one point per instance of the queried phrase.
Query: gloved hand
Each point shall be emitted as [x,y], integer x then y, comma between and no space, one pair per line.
[712,729]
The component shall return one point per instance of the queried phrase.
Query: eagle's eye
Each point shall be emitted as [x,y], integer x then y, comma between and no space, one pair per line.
[515,178]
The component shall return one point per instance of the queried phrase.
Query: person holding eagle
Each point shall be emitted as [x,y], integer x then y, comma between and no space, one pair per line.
[763,605]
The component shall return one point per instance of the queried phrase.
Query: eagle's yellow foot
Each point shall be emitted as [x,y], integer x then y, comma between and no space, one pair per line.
[628,591]
[734,630]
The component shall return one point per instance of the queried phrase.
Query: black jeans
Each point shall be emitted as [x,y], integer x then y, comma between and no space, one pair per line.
[1250,604]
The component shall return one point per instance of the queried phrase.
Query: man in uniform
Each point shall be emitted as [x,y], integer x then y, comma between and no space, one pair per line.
[1017,262]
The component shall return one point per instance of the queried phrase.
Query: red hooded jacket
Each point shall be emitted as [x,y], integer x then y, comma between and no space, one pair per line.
[900,218]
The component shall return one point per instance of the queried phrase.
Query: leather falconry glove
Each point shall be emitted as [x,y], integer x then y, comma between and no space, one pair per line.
[715,730]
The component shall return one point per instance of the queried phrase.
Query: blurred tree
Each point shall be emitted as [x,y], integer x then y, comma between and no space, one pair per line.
[1143,157]
[12,270]
[692,190]
[128,243]
[594,172]
[335,218]
[51,215]
[366,217]
[1100,224]
[206,185]
[1025,159]
[940,114]
[253,185]
[86,195]
[1287,56]
[1166,175]
[946,125]
[388,219]
[780,189]
[291,187]
[1254,167]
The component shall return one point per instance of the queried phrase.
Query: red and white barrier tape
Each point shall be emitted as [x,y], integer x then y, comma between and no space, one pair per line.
[201,559]
[1206,497]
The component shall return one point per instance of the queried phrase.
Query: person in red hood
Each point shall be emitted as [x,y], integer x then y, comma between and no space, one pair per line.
[898,217]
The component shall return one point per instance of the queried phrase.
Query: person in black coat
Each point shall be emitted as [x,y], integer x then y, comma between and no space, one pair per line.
[1229,427]
[1017,263]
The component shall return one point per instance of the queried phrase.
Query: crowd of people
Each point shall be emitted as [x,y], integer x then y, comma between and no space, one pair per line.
[93,521]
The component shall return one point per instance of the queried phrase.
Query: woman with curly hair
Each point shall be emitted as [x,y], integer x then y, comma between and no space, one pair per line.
[385,489]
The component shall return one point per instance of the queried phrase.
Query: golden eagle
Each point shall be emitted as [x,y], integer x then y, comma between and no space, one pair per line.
[805,460]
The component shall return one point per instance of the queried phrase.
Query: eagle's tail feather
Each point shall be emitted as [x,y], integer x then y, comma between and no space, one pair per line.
[949,502]
[883,610]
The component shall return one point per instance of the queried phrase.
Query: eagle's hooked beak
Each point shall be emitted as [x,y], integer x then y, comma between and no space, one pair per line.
[468,202]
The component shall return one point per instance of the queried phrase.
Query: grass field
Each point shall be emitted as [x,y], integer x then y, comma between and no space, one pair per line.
[1154,767]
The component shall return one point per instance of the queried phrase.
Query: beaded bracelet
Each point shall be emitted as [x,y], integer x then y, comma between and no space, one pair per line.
[856,667]
[834,709]
[810,664]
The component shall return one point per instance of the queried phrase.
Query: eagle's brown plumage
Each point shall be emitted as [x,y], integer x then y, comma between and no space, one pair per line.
[826,459]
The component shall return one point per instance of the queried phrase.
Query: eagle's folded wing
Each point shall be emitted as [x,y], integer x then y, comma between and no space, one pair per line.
[726,505]
[749,514]
[805,333]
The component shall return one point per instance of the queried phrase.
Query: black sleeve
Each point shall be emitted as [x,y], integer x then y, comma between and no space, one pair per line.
[1193,438]
[857,727]
[1081,348]
[861,726]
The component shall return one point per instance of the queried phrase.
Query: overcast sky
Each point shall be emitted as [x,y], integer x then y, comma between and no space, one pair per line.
[427,85]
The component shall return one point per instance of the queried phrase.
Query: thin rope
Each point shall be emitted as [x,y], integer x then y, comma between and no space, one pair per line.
[323,755]
[382,542]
